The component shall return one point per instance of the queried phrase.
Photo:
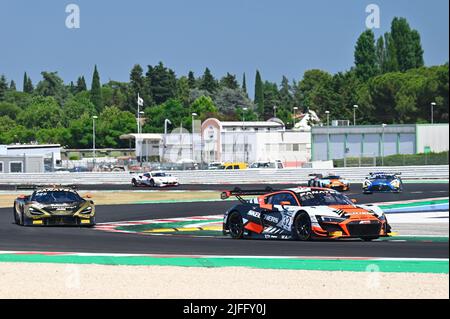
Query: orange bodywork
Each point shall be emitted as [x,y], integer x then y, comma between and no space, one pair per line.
[338,184]
[357,216]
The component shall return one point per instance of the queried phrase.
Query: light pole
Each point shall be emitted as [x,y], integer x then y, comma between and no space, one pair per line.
[192,136]
[328,134]
[245,109]
[383,126]
[274,111]
[166,122]
[93,138]
[295,111]
[355,107]
[433,104]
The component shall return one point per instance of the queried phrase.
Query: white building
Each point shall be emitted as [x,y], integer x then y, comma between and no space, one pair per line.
[50,154]
[254,141]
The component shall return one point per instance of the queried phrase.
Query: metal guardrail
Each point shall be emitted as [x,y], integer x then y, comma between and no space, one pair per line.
[297,175]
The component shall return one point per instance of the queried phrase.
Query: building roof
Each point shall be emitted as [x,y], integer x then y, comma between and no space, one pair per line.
[153,137]
[251,124]
[31,146]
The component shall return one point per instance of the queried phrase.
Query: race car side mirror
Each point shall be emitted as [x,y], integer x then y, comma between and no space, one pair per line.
[88,196]
[285,203]
[22,196]
[354,201]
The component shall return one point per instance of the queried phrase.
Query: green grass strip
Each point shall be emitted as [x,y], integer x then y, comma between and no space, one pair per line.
[416,204]
[396,266]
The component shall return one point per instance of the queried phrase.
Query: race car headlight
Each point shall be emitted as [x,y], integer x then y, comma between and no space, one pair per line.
[395,183]
[86,211]
[34,211]
[327,219]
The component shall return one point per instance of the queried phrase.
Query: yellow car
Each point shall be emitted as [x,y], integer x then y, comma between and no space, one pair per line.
[233,166]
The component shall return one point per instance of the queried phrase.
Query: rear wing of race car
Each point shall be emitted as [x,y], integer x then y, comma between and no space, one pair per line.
[239,193]
[36,187]
[316,175]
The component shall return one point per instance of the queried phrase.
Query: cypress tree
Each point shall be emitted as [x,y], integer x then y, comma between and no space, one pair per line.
[208,82]
[3,87]
[81,84]
[27,84]
[96,91]
[191,80]
[12,86]
[259,95]
[244,85]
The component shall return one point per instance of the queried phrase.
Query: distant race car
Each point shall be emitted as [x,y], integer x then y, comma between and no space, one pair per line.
[154,179]
[383,182]
[303,213]
[54,206]
[331,181]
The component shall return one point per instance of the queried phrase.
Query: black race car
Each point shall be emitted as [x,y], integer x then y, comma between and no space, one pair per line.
[54,206]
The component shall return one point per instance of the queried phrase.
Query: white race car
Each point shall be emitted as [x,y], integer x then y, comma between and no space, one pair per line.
[154,179]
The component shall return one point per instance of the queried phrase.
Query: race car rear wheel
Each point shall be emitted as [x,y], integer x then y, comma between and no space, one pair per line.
[301,228]
[236,225]
[134,182]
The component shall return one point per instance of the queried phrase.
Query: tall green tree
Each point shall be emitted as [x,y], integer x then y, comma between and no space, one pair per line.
[244,84]
[137,86]
[81,84]
[229,81]
[52,85]
[12,86]
[96,91]
[365,56]
[208,82]
[27,84]
[3,87]
[259,94]
[407,45]
[161,82]
[418,50]
[192,80]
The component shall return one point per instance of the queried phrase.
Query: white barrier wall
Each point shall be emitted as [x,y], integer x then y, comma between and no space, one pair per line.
[299,175]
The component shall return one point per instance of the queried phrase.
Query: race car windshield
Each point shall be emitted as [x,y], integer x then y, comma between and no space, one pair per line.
[323,198]
[387,177]
[57,197]
[160,175]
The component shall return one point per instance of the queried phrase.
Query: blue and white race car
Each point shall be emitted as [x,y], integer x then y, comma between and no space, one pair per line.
[383,182]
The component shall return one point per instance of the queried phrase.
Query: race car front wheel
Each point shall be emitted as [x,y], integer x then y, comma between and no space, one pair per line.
[301,229]
[236,225]
[16,217]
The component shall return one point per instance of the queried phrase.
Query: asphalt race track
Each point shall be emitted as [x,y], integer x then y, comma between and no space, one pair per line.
[67,239]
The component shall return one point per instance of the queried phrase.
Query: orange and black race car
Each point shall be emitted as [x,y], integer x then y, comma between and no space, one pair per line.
[331,181]
[302,213]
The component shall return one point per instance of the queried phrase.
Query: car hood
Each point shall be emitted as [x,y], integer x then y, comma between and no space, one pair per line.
[348,211]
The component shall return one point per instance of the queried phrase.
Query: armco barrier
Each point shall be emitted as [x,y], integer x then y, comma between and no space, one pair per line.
[298,175]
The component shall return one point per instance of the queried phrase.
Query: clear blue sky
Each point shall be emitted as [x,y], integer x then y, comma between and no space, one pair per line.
[278,37]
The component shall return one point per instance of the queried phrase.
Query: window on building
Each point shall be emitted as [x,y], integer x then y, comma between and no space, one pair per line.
[296,147]
[16,167]
[1,167]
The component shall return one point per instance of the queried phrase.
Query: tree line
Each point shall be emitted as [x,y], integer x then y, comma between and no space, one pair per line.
[388,82]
